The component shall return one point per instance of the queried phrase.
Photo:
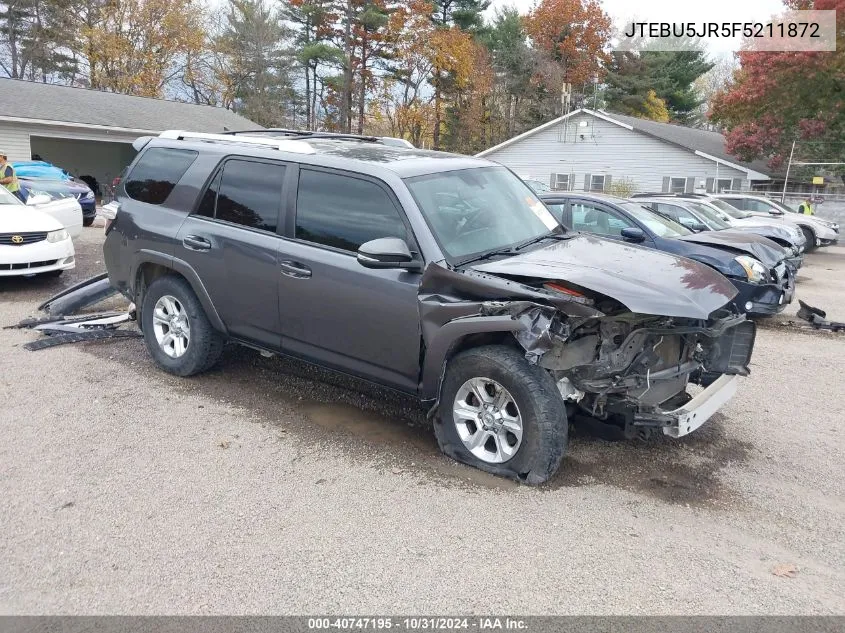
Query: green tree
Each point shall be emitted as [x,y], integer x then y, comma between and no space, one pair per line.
[260,60]
[635,79]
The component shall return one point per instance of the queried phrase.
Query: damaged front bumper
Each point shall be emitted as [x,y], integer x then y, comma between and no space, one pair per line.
[689,417]
[770,298]
[635,369]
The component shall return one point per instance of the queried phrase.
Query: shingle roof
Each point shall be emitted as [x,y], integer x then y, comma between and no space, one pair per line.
[50,102]
[691,138]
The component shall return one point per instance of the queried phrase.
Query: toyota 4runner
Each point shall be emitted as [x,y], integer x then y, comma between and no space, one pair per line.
[437,275]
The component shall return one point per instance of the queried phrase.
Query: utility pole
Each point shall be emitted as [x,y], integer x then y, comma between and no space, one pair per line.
[786,179]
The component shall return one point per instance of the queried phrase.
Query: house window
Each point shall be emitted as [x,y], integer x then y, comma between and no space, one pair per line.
[677,185]
[723,184]
[596,183]
[562,182]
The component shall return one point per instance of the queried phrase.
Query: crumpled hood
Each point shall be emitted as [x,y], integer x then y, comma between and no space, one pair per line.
[645,281]
[762,248]
[17,218]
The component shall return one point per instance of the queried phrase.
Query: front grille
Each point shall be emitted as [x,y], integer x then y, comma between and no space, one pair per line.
[11,239]
[26,266]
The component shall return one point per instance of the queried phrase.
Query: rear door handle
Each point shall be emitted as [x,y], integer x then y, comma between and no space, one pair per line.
[295,269]
[196,243]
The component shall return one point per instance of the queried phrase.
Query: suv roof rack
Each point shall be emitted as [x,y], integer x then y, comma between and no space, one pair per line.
[305,134]
[284,145]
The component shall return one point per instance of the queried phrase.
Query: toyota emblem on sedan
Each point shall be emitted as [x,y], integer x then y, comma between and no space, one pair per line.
[17,239]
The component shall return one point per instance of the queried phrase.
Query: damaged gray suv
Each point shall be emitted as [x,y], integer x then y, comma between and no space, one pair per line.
[433,274]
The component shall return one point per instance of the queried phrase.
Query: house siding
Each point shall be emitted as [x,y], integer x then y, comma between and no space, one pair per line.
[611,150]
[15,142]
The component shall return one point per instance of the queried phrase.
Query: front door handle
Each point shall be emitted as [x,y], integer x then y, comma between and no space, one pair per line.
[196,243]
[295,269]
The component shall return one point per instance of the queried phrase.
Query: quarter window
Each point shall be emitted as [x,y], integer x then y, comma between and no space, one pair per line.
[344,212]
[157,172]
[246,193]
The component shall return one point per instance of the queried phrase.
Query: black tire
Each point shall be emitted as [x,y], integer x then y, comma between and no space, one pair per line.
[205,344]
[545,428]
[88,221]
[52,273]
[811,239]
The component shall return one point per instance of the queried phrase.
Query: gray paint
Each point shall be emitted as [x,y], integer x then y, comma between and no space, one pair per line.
[608,149]
[399,327]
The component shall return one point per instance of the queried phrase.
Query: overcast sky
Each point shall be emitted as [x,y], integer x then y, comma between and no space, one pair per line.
[623,11]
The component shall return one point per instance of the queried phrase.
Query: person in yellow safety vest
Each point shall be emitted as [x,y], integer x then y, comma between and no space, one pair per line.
[8,178]
[806,207]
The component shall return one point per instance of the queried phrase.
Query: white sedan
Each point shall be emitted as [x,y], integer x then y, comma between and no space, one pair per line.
[33,238]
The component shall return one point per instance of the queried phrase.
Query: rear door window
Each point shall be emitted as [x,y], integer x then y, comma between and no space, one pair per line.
[157,172]
[595,219]
[245,192]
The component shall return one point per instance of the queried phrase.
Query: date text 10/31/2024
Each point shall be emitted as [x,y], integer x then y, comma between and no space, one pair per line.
[419,623]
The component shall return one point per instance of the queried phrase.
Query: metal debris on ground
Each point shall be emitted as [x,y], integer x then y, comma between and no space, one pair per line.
[62,328]
[818,318]
[79,337]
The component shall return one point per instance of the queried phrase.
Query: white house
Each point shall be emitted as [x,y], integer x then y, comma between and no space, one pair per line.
[587,150]
[88,132]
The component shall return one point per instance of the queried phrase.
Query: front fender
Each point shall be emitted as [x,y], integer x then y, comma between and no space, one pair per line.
[446,339]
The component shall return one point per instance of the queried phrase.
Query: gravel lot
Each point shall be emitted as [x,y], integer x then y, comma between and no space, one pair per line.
[267,486]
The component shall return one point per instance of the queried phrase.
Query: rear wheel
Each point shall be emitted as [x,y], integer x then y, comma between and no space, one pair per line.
[502,415]
[177,332]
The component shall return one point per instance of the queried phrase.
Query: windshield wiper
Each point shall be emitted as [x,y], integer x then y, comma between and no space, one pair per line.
[478,258]
[550,235]
[513,250]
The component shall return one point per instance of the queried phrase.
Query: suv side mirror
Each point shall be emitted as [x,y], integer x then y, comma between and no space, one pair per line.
[775,212]
[633,234]
[386,252]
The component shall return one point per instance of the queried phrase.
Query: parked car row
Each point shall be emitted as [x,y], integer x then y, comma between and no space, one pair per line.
[42,178]
[35,239]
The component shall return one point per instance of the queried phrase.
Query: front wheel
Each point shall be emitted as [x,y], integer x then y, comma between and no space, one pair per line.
[502,415]
[810,237]
[177,332]
[88,221]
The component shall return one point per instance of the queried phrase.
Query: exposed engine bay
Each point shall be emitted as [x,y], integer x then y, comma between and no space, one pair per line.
[633,365]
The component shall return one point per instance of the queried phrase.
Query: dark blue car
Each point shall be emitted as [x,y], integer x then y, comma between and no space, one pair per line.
[755,265]
[37,176]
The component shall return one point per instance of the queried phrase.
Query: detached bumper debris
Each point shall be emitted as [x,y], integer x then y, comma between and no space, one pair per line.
[818,318]
[81,295]
[61,327]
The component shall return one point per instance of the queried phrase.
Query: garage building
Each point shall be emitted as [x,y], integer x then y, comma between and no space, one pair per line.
[88,132]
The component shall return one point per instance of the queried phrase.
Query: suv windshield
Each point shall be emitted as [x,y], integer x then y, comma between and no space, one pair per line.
[657,224]
[475,211]
[730,209]
[7,197]
[710,216]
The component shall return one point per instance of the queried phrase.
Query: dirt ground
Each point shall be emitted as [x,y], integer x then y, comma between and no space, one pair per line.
[268,486]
